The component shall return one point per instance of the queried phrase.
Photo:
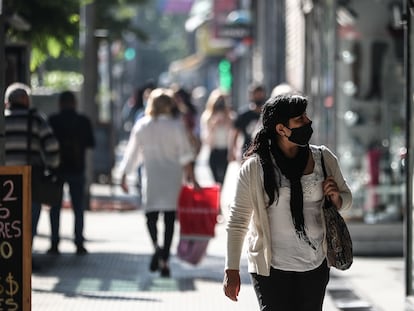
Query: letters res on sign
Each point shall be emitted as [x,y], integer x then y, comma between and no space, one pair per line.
[15,238]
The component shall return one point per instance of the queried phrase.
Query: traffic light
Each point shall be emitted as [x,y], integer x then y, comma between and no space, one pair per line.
[225,75]
[130,54]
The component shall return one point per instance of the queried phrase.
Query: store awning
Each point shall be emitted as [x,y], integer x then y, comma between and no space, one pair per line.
[188,63]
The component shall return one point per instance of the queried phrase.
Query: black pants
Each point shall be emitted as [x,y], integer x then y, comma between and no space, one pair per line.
[169,222]
[292,291]
[218,164]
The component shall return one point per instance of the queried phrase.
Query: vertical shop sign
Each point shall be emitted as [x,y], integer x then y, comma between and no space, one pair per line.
[221,9]
[15,238]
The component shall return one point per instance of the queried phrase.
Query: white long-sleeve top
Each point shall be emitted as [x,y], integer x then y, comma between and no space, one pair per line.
[163,147]
[249,214]
[289,252]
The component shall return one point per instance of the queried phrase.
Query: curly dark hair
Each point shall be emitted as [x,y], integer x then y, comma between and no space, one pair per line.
[276,110]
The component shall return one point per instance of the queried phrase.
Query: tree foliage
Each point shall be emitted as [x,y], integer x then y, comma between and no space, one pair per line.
[52,27]
[167,40]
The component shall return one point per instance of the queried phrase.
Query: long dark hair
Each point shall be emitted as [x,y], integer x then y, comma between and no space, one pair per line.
[276,110]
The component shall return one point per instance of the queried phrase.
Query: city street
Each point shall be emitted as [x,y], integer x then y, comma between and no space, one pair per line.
[346,71]
[115,275]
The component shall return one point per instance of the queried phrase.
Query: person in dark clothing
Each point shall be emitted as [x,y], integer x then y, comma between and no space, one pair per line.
[45,147]
[75,134]
[246,122]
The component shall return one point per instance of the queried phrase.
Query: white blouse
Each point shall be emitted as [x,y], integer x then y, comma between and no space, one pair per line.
[216,131]
[289,252]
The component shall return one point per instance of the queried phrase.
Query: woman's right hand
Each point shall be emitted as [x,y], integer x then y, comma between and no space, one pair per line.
[231,284]
[124,184]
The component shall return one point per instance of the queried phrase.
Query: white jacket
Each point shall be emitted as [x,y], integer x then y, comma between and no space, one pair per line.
[248,214]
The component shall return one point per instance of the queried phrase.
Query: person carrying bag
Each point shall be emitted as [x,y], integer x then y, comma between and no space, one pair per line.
[278,205]
[46,183]
[43,148]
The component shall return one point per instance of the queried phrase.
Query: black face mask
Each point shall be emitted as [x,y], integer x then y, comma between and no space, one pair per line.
[259,102]
[301,135]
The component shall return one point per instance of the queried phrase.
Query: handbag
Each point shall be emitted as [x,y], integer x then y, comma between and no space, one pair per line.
[198,210]
[197,213]
[46,185]
[339,243]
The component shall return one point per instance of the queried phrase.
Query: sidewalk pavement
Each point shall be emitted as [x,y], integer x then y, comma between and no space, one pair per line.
[114,274]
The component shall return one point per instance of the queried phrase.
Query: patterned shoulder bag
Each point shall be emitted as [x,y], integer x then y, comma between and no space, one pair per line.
[339,242]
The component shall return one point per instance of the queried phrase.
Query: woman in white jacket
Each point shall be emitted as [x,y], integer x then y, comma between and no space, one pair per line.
[160,143]
[278,204]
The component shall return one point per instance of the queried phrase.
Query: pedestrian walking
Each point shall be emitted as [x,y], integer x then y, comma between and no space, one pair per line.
[246,121]
[278,201]
[75,134]
[44,147]
[279,89]
[160,142]
[185,110]
[216,123]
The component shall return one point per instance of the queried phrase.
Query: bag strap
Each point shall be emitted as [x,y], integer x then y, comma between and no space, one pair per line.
[323,165]
[325,174]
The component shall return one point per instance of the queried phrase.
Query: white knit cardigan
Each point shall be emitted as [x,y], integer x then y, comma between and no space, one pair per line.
[248,214]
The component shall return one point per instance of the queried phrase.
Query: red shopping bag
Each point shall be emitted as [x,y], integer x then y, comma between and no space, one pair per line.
[198,210]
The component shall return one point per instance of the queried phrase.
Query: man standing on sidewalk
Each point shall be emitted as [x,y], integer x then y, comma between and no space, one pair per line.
[246,122]
[75,135]
[44,150]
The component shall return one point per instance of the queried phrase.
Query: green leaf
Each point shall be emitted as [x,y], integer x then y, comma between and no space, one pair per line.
[54,47]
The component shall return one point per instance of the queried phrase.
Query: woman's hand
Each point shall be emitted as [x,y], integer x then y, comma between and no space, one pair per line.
[231,284]
[190,175]
[124,184]
[331,190]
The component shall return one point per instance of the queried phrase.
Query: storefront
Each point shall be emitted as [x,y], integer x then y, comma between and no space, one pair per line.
[354,75]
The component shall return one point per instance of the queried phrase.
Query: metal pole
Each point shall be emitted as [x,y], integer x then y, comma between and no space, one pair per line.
[408,164]
[89,69]
[2,87]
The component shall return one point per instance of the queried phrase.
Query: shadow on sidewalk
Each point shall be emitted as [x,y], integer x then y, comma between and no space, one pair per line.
[120,275]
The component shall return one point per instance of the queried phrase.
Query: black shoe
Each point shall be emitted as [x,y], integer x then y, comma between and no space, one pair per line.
[53,250]
[165,270]
[80,250]
[155,260]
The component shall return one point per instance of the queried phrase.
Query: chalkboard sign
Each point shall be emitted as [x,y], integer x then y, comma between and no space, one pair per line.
[15,238]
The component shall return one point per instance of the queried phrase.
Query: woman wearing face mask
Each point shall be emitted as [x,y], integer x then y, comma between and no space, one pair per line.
[278,204]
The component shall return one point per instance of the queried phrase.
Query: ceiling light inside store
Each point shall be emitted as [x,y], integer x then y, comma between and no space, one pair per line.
[349,88]
[345,16]
[348,57]
[350,118]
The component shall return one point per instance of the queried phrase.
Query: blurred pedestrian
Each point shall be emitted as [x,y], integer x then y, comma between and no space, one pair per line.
[279,89]
[44,147]
[279,198]
[132,108]
[246,121]
[216,124]
[161,144]
[144,95]
[75,134]
[186,111]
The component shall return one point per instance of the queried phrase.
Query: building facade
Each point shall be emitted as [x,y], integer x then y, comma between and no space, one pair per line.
[354,76]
